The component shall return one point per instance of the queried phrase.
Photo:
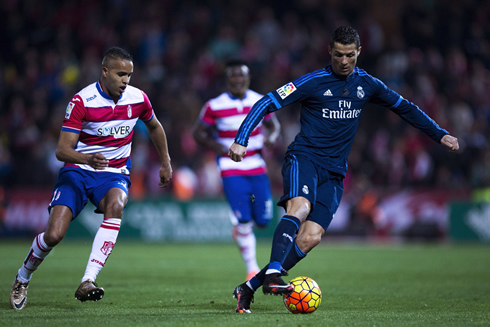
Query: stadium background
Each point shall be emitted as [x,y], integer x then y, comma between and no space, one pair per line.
[400,183]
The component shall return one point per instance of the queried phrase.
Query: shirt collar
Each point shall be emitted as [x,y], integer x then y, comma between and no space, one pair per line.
[103,94]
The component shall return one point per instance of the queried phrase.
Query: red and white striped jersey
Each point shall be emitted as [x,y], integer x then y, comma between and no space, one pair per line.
[104,126]
[226,113]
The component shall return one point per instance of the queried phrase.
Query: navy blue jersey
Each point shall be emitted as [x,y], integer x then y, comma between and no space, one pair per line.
[331,107]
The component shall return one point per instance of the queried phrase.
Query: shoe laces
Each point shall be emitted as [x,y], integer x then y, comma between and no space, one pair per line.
[19,287]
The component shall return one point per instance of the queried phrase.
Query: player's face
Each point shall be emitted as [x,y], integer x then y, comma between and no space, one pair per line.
[344,58]
[238,80]
[116,74]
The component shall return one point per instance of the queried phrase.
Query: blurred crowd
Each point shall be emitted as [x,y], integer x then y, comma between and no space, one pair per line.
[435,53]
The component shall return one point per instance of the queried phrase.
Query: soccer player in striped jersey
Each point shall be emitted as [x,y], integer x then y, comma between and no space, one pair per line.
[245,184]
[333,100]
[95,144]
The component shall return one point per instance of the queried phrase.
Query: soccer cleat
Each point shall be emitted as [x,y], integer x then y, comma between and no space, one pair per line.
[273,284]
[88,290]
[244,296]
[18,295]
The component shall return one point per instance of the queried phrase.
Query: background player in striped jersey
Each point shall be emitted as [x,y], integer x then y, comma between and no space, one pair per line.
[95,144]
[333,100]
[245,184]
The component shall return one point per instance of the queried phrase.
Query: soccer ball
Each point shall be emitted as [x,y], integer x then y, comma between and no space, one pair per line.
[306,296]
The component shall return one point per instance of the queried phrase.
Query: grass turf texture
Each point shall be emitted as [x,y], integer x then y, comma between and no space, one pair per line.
[191,285]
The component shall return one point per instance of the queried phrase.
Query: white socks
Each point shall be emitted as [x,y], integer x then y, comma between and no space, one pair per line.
[245,238]
[38,251]
[101,248]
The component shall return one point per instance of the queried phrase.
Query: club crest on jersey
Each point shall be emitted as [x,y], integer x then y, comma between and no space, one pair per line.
[305,189]
[286,90]
[130,111]
[69,109]
[360,92]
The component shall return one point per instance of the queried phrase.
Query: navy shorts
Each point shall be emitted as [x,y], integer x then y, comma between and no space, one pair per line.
[75,186]
[249,198]
[324,189]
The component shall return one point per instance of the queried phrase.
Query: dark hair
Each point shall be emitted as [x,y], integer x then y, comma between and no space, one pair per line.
[117,53]
[235,62]
[345,35]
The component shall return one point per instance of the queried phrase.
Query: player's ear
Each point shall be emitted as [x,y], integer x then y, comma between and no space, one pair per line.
[329,50]
[359,50]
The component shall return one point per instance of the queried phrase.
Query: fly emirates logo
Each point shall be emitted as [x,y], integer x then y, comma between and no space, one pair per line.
[116,132]
[344,111]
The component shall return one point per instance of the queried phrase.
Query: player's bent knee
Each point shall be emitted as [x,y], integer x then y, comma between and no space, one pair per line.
[114,210]
[53,238]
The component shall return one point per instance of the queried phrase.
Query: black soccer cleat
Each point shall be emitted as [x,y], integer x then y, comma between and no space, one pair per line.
[244,296]
[273,284]
[88,290]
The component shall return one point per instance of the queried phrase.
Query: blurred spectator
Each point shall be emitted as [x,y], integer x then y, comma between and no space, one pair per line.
[438,54]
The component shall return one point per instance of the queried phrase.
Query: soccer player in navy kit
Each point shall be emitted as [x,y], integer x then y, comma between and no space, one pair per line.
[333,100]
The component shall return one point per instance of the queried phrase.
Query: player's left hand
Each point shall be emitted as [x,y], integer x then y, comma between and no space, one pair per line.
[165,175]
[451,142]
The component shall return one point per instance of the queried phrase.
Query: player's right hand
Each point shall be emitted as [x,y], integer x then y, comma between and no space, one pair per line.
[98,161]
[237,152]
[451,142]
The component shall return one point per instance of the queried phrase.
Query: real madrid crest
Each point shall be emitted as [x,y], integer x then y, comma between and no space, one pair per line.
[360,92]
[130,112]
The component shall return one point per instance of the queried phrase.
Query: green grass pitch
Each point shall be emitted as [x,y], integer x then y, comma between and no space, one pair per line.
[170,284]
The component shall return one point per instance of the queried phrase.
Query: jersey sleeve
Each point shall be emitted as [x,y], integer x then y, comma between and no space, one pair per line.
[74,116]
[147,114]
[406,110]
[207,116]
[289,93]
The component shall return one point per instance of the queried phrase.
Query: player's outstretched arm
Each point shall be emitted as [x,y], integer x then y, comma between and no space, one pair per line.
[451,142]
[237,152]
[159,139]
[65,152]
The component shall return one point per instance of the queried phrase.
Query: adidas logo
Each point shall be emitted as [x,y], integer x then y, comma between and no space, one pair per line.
[328,93]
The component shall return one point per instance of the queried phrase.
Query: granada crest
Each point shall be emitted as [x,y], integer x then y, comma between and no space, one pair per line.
[106,249]
[130,111]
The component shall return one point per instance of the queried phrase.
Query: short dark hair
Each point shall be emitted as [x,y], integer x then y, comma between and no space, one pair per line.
[117,53]
[345,35]
[235,62]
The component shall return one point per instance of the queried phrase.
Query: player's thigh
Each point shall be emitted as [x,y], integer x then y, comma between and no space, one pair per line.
[300,179]
[110,194]
[261,200]
[239,194]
